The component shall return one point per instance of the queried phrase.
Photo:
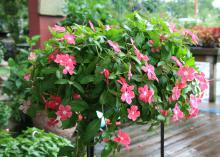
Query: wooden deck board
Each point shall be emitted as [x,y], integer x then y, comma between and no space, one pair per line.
[199,137]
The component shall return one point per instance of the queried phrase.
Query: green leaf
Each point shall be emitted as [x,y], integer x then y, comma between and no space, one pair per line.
[106,151]
[65,151]
[91,130]
[77,86]
[87,79]
[49,70]
[62,81]
[161,118]
[78,105]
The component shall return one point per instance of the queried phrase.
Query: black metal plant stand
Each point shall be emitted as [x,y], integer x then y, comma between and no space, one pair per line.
[162,139]
[90,150]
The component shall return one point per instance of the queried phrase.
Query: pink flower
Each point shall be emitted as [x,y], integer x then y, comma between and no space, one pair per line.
[127,91]
[181,85]
[108,122]
[123,138]
[151,42]
[172,27]
[177,113]
[175,93]
[164,112]
[70,38]
[80,117]
[186,73]
[145,94]
[64,112]
[149,70]
[162,38]
[174,58]
[192,35]
[27,77]
[53,103]
[139,55]
[76,96]
[133,113]
[193,112]
[67,61]
[52,122]
[118,123]
[127,94]
[91,26]
[57,28]
[32,56]
[129,73]
[203,83]
[194,101]
[52,56]
[106,74]
[107,27]
[114,45]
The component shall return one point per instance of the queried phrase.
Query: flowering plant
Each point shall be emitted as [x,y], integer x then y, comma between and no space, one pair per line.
[102,79]
[208,36]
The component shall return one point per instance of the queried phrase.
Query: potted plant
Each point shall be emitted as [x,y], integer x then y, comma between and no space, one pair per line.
[100,80]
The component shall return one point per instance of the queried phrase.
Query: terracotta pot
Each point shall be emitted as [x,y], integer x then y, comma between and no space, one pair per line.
[41,120]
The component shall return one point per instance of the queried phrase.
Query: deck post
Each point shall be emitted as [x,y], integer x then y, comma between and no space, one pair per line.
[162,139]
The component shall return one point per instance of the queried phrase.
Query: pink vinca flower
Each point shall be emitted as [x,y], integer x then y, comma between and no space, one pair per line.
[70,38]
[127,94]
[175,93]
[52,56]
[106,74]
[64,112]
[177,113]
[139,55]
[76,96]
[32,56]
[126,90]
[145,94]
[52,122]
[172,27]
[174,58]
[67,61]
[91,26]
[57,28]
[194,101]
[193,112]
[149,70]
[192,35]
[164,112]
[123,138]
[186,73]
[27,77]
[203,83]
[114,45]
[133,113]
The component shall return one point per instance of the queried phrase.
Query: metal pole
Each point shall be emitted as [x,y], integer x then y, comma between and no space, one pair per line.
[162,139]
[90,150]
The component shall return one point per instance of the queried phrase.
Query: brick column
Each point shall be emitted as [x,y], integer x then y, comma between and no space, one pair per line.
[42,14]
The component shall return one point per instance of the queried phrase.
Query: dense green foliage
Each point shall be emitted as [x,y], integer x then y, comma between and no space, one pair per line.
[31,143]
[93,54]
[5,114]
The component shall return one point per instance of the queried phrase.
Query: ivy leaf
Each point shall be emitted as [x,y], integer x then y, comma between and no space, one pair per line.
[91,130]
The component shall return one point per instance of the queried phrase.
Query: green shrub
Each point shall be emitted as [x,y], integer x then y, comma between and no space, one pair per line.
[5,114]
[32,143]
